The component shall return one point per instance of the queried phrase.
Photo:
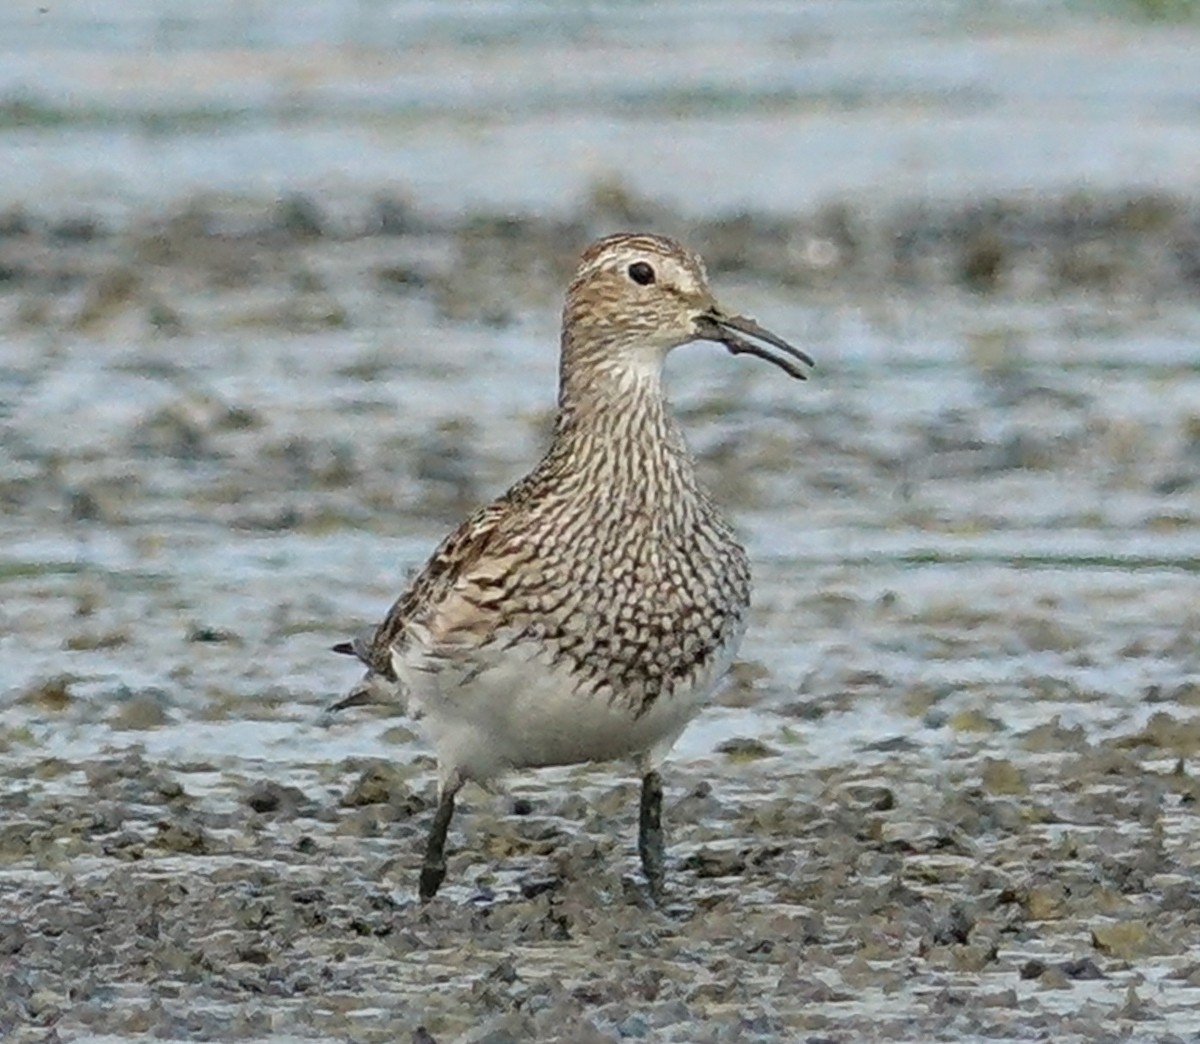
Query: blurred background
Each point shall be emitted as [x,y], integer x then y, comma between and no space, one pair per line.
[279,292]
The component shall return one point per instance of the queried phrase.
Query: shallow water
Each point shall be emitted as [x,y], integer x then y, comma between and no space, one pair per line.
[948,792]
[1005,647]
[783,107]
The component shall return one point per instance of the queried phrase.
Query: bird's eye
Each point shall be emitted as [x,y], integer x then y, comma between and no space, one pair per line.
[641,273]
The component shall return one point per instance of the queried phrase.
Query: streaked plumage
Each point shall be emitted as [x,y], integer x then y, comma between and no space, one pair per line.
[589,612]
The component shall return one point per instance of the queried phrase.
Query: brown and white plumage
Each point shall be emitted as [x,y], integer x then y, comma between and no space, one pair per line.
[589,612]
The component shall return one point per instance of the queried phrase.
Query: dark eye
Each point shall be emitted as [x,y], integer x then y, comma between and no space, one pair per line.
[641,273]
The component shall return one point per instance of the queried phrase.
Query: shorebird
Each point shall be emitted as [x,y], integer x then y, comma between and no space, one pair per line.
[587,614]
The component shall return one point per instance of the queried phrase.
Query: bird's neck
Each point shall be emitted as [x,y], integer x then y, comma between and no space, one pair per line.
[615,426]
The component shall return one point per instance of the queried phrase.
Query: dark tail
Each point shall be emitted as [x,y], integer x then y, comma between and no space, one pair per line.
[359,696]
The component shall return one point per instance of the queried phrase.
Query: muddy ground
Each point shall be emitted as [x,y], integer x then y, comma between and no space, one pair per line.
[279,289]
[949,794]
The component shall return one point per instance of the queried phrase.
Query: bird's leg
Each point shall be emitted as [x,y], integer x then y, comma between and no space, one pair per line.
[433,866]
[650,835]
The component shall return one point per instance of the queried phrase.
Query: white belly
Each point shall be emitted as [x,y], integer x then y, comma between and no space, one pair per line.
[514,709]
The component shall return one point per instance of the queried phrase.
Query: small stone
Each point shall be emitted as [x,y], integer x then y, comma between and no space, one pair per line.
[1001,777]
[1134,1007]
[53,694]
[955,928]
[44,1003]
[1083,969]
[1054,738]
[268,796]
[12,938]
[207,634]
[183,837]
[94,641]
[167,787]
[974,721]
[1054,978]
[746,749]
[485,1035]
[264,797]
[398,734]
[298,216]
[1125,940]
[378,784]
[1186,694]
[709,863]
[1044,904]
[1045,634]
[531,888]
[872,798]
[634,1026]
[891,745]
[127,846]
[140,712]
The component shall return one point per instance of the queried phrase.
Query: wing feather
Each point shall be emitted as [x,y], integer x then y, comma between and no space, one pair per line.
[442,599]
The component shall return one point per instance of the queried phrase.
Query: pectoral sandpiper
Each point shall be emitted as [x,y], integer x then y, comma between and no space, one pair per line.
[589,612]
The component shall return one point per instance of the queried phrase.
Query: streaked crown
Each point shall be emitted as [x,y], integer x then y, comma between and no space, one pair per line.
[633,299]
[636,292]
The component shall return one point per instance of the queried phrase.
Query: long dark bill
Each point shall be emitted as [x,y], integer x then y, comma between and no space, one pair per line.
[728,330]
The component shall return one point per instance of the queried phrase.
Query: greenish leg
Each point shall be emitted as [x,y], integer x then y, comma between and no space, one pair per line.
[433,867]
[650,835]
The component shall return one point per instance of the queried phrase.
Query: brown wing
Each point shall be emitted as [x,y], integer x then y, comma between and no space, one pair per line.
[456,556]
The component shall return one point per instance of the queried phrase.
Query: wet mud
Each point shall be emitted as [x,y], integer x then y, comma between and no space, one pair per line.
[950,790]
[948,793]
